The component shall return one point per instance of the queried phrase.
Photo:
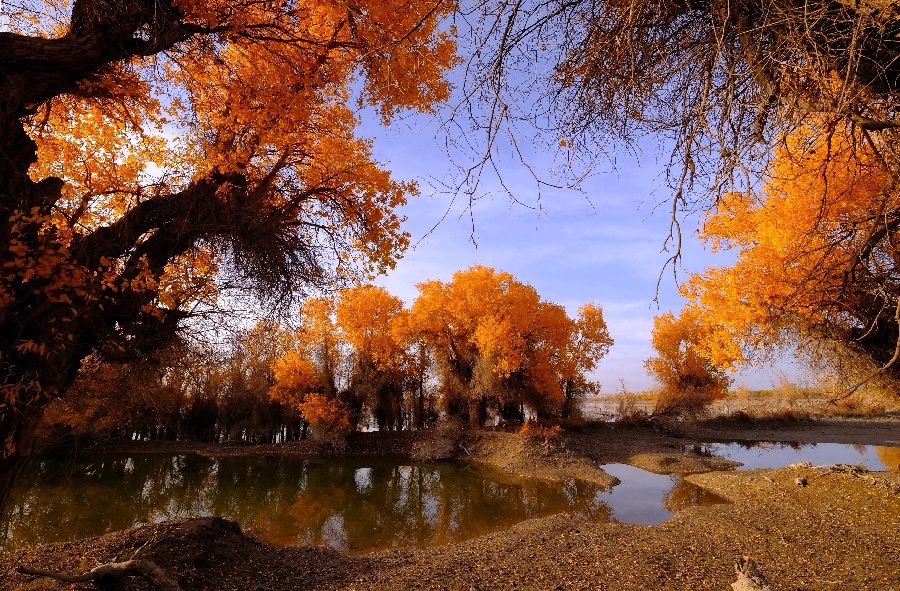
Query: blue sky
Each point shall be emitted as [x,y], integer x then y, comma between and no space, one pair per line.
[602,244]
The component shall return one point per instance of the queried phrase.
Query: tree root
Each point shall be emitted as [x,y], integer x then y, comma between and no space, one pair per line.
[749,577]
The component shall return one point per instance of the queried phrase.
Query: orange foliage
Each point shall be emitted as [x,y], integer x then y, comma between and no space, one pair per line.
[309,362]
[365,316]
[318,339]
[380,364]
[815,253]
[328,413]
[689,378]
[294,376]
[492,336]
[535,430]
[495,346]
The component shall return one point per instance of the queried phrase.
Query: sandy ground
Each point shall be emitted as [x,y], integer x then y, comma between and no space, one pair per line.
[838,532]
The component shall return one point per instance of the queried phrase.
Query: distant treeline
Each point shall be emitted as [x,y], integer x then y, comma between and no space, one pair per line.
[482,348]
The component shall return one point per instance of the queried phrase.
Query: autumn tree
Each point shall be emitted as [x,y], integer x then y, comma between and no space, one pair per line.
[689,379]
[149,145]
[498,348]
[588,342]
[245,410]
[187,389]
[306,377]
[816,257]
[418,368]
[95,409]
[357,349]
[365,317]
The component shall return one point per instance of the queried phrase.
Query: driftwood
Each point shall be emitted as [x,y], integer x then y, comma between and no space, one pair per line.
[113,572]
[749,577]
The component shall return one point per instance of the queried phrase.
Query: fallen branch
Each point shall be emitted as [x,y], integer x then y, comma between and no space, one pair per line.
[112,573]
[749,577]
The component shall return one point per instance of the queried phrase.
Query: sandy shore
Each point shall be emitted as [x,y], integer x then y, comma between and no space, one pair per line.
[839,532]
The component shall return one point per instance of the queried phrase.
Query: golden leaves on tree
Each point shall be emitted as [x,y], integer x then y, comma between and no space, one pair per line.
[485,338]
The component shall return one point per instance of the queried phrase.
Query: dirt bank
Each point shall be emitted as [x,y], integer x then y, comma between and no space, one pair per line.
[838,532]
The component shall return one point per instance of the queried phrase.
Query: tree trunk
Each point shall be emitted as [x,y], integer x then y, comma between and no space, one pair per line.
[18,427]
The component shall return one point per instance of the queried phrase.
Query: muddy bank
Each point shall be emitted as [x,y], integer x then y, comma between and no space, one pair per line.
[838,532]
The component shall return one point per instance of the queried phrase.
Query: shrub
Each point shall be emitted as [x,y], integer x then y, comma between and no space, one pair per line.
[536,430]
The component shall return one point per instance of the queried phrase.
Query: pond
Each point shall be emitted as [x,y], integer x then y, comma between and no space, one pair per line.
[351,505]
[777,455]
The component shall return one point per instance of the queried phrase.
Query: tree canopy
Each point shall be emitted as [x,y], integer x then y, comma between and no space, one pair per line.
[816,259]
[688,375]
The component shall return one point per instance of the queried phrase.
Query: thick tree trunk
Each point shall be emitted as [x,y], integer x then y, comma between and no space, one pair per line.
[18,430]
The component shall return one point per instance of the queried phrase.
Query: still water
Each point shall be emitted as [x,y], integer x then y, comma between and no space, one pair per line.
[351,505]
[777,455]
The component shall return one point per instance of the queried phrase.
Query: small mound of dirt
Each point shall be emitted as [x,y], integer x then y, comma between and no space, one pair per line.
[529,457]
[200,553]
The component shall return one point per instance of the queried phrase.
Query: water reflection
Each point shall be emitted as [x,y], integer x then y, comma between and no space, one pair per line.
[778,455]
[351,505]
[648,499]
[348,505]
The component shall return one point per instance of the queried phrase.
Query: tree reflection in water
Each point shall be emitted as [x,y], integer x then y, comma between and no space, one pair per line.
[355,506]
[684,494]
[351,505]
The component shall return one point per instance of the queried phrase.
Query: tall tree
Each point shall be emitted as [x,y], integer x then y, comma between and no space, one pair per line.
[306,376]
[365,316]
[144,144]
[499,348]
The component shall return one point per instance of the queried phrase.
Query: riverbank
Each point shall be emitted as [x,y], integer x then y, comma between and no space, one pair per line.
[838,531]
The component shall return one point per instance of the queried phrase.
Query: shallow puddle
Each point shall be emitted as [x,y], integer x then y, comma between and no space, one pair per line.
[351,505]
[778,455]
[649,499]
